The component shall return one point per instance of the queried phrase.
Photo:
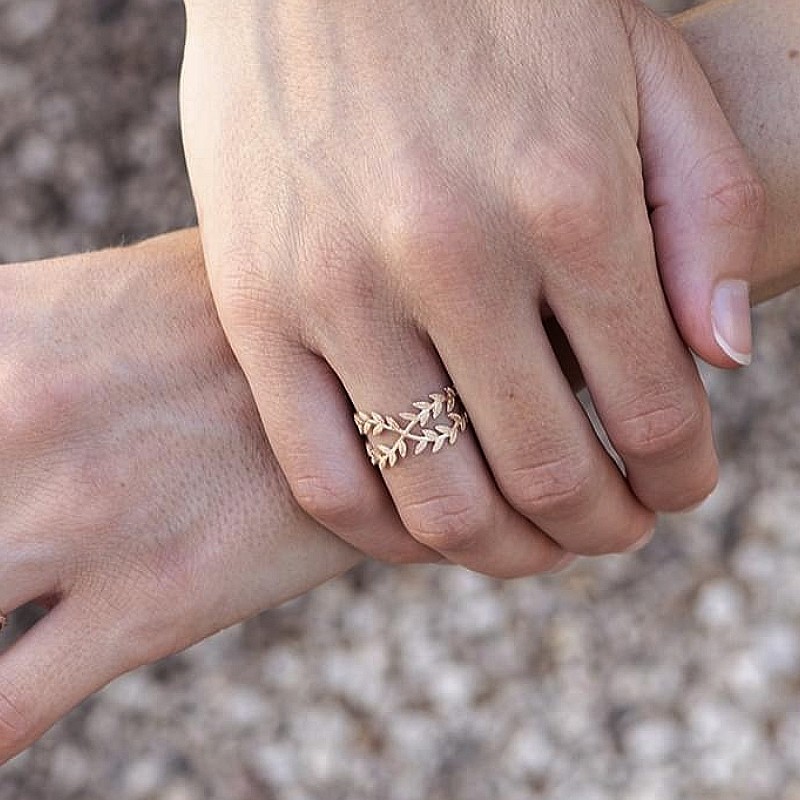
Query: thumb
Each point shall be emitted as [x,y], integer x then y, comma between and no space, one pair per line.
[52,668]
[707,202]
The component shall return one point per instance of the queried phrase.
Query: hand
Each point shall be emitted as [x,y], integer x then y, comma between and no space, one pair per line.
[391,194]
[138,496]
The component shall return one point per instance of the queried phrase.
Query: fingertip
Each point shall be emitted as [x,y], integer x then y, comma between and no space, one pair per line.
[641,543]
[731,321]
[715,324]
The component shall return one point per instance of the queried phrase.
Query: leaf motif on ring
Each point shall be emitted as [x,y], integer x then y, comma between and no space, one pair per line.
[411,427]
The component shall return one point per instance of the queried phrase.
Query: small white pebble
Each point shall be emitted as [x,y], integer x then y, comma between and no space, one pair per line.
[652,741]
[720,604]
[143,777]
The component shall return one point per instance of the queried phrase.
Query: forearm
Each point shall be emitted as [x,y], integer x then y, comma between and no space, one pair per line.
[751,54]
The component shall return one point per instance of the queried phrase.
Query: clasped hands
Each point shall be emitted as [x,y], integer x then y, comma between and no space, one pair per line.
[385,208]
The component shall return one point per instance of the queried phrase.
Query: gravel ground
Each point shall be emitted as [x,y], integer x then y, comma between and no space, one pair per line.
[674,673]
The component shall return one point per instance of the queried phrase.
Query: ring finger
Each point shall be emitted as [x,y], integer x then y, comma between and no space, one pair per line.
[446,499]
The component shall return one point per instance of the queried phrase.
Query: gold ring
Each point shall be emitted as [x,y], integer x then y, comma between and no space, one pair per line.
[3,621]
[414,431]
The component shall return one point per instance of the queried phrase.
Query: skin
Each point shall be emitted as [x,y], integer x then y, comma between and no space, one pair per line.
[391,196]
[139,497]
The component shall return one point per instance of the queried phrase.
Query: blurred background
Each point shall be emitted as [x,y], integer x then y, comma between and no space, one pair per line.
[674,673]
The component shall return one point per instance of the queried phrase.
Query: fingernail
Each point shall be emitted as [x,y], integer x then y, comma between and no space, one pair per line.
[730,317]
[643,542]
[567,560]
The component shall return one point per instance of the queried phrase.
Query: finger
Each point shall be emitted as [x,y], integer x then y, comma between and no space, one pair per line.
[642,379]
[309,423]
[541,447]
[708,203]
[447,499]
[62,660]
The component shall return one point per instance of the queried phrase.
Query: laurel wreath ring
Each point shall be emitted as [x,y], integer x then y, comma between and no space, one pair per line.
[414,428]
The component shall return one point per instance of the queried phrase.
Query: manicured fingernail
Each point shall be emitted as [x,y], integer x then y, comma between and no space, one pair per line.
[730,316]
[567,560]
[643,542]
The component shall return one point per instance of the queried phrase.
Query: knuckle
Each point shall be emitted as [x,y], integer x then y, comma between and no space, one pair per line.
[563,206]
[661,429]
[429,232]
[740,200]
[421,226]
[450,523]
[556,487]
[568,222]
[16,726]
[331,497]
[732,192]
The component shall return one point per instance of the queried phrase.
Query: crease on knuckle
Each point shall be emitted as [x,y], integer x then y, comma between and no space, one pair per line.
[732,193]
[739,201]
[661,430]
[450,523]
[330,497]
[555,487]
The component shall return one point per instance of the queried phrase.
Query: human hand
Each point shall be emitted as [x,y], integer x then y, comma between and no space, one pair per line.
[138,496]
[392,194]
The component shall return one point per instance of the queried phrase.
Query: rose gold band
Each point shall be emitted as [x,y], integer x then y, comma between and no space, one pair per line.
[413,431]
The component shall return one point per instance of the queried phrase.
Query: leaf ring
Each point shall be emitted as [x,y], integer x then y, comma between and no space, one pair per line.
[414,431]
